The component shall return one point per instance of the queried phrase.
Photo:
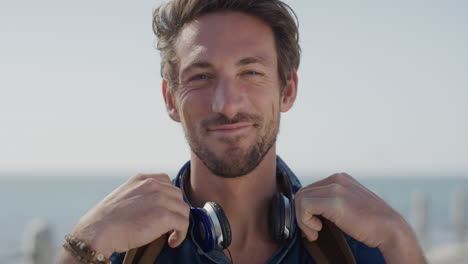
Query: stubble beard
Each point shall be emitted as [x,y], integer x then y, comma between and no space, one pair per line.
[236,162]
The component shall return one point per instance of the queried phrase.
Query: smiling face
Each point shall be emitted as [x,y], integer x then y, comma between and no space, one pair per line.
[228,98]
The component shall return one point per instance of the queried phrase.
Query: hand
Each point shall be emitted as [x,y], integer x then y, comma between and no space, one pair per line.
[146,207]
[360,213]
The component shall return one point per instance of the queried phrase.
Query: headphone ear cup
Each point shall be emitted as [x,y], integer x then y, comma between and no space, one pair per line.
[224,223]
[277,218]
[203,229]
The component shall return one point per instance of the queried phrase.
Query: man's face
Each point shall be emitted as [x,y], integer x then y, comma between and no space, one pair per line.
[228,98]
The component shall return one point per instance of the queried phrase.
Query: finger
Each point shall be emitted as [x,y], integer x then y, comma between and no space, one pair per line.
[339,178]
[172,239]
[331,208]
[176,239]
[151,185]
[330,190]
[163,177]
[355,190]
[173,204]
[177,225]
[310,234]
[168,189]
[313,223]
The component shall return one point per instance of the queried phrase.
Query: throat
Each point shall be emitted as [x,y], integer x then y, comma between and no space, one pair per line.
[253,251]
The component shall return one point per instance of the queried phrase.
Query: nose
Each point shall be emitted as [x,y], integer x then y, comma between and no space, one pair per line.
[228,98]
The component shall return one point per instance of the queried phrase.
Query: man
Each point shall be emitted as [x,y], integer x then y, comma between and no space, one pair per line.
[229,70]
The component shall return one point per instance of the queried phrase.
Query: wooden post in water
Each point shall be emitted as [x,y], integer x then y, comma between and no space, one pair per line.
[458,216]
[419,216]
[38,246]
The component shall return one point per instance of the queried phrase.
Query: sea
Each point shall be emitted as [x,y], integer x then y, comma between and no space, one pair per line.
[60,198]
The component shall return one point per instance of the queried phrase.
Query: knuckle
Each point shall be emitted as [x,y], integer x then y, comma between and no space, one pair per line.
[162,177]
[341,178]
[139,177]
[159,176]
[165,176]
[150,182]
[151,185]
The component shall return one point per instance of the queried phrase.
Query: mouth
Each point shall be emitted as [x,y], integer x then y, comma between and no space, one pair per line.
[230,129]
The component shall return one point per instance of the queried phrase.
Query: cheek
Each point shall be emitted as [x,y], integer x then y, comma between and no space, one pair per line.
[268,93]
[269,104]
[192,106]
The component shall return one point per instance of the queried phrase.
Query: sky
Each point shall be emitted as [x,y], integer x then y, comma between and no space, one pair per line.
[383,87]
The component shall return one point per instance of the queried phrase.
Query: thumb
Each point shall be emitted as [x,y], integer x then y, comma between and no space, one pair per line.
[175,239]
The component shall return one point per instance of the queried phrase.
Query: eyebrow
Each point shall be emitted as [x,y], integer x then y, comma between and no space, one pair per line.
[200,64]
[251,60]
[241,62]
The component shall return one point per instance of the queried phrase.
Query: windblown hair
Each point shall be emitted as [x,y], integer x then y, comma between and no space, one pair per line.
[170,17]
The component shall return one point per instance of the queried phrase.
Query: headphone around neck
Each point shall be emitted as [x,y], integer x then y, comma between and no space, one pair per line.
[211,229]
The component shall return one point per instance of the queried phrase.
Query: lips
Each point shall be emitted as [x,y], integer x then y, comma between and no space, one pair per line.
[230,128]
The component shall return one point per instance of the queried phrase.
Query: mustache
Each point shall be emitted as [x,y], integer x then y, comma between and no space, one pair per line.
[221,119]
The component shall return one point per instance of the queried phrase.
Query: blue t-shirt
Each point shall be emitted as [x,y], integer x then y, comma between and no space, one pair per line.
[292,251]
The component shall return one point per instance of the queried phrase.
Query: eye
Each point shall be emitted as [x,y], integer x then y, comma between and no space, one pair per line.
[251,73]
[199,77]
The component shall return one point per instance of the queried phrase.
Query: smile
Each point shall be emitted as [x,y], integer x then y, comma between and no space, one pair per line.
[231,129]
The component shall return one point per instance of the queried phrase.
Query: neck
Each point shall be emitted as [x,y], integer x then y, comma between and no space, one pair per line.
[245,200]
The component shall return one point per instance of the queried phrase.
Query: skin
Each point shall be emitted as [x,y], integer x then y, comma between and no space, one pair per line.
[226,70]
[227,86]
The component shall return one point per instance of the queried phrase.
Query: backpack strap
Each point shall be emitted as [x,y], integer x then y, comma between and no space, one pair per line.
[146,254]
[330,248]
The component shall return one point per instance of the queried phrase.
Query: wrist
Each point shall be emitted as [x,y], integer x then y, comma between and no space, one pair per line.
[83,252]
[401,245]
[94,238]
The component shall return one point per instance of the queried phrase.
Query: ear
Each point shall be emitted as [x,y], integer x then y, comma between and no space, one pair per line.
[288,96]
[169,100]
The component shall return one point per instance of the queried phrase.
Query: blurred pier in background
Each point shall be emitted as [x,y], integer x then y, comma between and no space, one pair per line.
[38,244]
[454,253]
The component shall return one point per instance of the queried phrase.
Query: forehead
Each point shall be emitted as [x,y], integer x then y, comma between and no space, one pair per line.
[225,37]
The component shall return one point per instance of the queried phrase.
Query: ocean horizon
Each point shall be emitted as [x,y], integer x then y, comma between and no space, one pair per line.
[61,198]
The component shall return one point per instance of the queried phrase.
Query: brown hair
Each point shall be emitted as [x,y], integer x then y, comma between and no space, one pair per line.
[170,17]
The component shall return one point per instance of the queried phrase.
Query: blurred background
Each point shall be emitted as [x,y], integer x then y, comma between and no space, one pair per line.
[383,95]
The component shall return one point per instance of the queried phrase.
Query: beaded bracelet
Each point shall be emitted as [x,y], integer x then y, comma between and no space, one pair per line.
[83,252]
